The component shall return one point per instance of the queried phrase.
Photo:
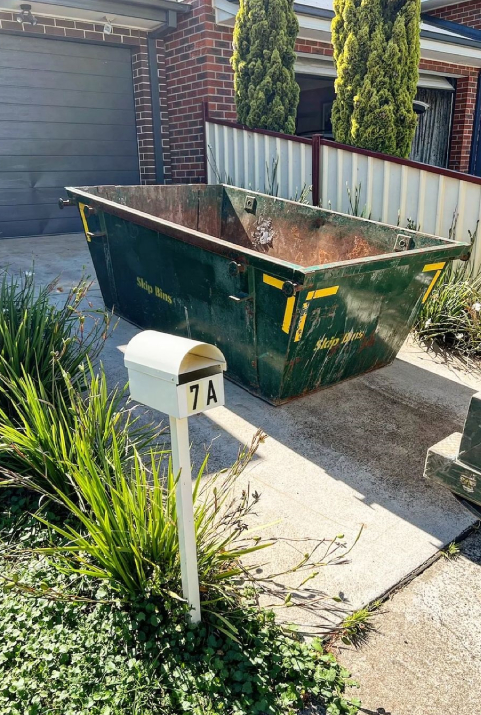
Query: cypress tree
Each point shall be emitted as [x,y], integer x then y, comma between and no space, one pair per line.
[266,91]
[376,51]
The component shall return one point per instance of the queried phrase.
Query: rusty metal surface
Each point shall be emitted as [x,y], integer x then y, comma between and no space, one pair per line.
[295,233]
[191,207]
[232,274]
[305,235]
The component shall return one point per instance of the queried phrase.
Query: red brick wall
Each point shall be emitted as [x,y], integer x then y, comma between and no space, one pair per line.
[198,67]
[466,13]
[197,63]
[54,27]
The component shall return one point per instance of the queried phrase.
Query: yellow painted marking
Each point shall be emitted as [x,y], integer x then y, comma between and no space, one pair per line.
[302,322]
[286,323]
[312,295]
[325,292]
[433,267]
[431,285]
[276,283]
[438,267]
[84,220]
[272,281]
[322,293]
[291,301]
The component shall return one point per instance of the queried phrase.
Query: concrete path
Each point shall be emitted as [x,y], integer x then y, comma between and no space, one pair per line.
[346,458]
[425,658]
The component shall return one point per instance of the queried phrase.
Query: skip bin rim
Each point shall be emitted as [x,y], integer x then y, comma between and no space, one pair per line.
[182,233]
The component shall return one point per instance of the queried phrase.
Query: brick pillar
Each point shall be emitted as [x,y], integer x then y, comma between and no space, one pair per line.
[463,122]
[164,111]
[143,112]
[197,56]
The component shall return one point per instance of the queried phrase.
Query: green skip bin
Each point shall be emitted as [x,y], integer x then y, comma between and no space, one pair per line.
[297,298]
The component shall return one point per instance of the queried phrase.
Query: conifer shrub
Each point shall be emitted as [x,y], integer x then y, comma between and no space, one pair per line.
[376,52]
[266,91]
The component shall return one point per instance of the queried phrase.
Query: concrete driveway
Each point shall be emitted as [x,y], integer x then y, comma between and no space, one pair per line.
[425,656]
[346,458]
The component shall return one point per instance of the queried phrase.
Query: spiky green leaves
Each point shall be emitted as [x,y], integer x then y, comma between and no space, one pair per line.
[376,51]
[266,91]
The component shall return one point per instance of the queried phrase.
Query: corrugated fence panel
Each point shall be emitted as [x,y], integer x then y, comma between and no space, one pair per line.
[349,181]
[400,194]
[257,161]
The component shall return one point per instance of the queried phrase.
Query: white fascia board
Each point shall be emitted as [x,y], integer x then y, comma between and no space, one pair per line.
[310,28]
[225,12]
[321,66]
[440,31]
[450,52]
[316,65]
[427,5]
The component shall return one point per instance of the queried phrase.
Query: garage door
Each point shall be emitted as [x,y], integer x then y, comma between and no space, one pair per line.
[67,117]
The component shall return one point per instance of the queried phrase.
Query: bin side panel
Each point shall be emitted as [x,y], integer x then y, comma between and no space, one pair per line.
[192,206]
[168,285]
[443,465]
[353,321]
[275,315]
[97,241]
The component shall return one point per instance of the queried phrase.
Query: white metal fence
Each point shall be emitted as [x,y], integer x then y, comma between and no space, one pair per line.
[394,191]
[399,192]
[258,161]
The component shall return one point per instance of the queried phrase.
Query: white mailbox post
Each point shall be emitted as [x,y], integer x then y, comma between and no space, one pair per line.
[180,377]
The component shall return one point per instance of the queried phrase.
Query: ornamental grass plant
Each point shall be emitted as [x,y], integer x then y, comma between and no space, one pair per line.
[47,429]
[124,527]
[451,317]
[37,336]
[67,648]
[92,618]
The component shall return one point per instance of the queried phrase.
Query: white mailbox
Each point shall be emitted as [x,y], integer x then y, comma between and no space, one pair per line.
[175,375]
[180,377]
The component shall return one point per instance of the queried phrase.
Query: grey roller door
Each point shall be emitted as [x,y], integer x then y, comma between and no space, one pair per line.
[67,117]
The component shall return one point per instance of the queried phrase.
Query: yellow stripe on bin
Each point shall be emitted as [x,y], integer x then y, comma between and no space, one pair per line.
[276,283]
[271,281]
[324,292]
[312,295]
[433,267]
[438,267]
[291,302]
[286,324]
[431,285]
[84,220]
